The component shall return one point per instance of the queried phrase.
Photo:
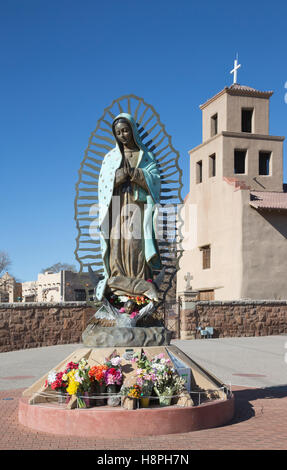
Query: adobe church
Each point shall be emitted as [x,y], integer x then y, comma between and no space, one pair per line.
[235,215]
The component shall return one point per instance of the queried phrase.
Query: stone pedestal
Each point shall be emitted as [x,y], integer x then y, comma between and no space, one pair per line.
[40,410]
[188,320]
[108,337]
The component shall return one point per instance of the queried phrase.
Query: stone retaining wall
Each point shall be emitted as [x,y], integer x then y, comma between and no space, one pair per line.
[238,318]
[32,325]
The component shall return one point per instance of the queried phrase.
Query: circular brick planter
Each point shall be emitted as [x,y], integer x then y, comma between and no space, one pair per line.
[121,423]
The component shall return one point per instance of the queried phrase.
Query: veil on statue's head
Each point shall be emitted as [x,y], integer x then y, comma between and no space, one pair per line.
[132,123]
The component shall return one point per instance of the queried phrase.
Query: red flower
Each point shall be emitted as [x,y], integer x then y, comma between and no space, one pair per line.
[71,366]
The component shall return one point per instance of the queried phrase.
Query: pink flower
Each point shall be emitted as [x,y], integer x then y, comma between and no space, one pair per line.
[133,315]
[113,376]
[149,280]
[122,310]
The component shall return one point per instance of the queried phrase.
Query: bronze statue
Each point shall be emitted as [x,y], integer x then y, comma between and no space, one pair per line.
[130,176]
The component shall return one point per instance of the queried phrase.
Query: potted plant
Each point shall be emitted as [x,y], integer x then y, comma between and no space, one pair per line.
[97,378]
[145,379]
[113,379]
[130,395]
[57,382]
[167,382]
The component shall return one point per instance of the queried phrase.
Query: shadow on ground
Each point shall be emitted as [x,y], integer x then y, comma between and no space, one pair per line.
[244,400]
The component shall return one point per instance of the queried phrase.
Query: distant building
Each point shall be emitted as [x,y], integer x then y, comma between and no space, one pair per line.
[10,289]
[237,204]
[64,286]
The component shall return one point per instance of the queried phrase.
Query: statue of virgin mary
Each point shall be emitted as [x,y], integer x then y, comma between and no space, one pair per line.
[128,193]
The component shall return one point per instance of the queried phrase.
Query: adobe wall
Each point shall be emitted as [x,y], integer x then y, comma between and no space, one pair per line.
[32,325]
[237,318]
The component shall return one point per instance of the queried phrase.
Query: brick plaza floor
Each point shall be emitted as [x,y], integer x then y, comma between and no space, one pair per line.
[259,424]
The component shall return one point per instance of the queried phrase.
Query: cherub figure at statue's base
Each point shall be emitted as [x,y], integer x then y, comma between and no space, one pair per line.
[123,319]
[128,317]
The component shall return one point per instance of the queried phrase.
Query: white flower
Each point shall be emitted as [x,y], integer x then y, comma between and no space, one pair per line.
[78,378]
[123,298]
[116,361]
[83,364]
[52,376]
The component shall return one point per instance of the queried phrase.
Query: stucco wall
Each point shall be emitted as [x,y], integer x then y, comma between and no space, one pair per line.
[219,223]
[32,325]
[264,253]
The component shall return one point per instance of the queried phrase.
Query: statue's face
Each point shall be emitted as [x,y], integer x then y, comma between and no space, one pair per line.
[129,307]
[124,133]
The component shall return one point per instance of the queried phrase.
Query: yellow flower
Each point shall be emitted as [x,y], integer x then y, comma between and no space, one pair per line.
[72,387]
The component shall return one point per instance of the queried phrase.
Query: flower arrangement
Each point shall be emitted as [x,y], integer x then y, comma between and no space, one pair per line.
[114,361]
[97,374]
[157,375]
[78,380]
[56,381]
[113,373]
[75,380]
[113,376]
[146,377]
[168,382]
[132,392]
[119,301]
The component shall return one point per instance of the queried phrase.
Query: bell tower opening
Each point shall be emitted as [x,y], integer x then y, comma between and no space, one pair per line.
[246,120]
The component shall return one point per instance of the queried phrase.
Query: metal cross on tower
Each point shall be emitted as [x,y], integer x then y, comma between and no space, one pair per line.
[234,70]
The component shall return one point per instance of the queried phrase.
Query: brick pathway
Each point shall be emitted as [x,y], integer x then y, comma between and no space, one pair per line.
[259,423]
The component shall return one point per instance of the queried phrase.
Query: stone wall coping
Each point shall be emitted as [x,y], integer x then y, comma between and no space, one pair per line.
[241,302]
[25,305]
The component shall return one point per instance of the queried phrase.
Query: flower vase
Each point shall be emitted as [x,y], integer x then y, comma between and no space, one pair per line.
[61,397]
[164,399]
[147,388]
[87,399]
[81,401]
[112,400]
[99,390]
[144,402]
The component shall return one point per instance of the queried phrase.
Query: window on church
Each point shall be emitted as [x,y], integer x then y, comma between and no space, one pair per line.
[246,120]
[264,163]
[199,172]
[205,256]
[212,165]
[239,161]
[214,125]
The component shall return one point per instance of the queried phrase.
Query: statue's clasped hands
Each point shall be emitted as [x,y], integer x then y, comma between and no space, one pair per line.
[125,173]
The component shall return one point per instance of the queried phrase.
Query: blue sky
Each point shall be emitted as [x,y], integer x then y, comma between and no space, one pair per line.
[62,62]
